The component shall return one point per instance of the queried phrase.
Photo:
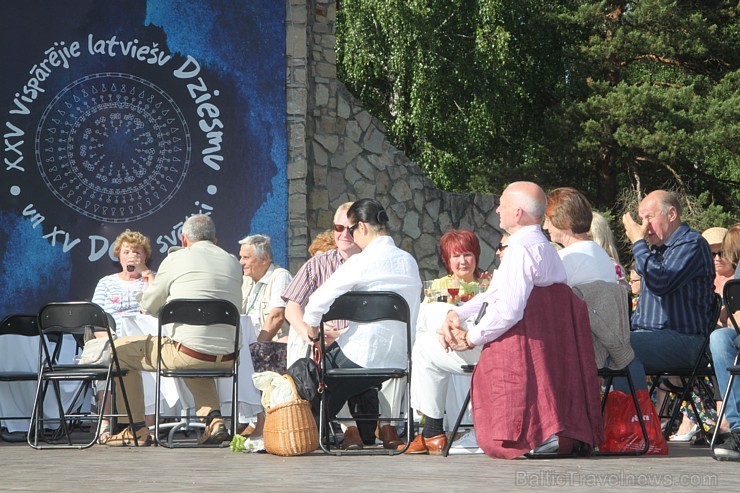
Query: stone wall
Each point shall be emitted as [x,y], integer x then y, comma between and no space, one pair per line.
[337,152]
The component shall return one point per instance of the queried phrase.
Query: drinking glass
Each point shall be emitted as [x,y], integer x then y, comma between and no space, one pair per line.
[428,291]
[453,287]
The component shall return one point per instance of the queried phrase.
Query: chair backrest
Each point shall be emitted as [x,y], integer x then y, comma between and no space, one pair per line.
[369,306]
[731,295]
[608,313]
[74,318]
[20,325]
[199,312]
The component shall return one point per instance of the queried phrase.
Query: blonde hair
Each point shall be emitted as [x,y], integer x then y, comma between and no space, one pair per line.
[602,234]
[135,239]
[731,245]
[323,242]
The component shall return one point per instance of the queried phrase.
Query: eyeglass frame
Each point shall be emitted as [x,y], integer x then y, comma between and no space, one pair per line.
[718,252]
[353,228]
[339,228]
[501,247]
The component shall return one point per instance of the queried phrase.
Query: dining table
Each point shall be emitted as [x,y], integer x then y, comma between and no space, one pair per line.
[175,395]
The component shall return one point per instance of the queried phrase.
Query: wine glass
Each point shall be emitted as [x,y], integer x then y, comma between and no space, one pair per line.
[453,287]
[428,291]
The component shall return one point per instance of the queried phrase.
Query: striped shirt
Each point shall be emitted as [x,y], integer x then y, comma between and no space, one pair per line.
[310,276]
[677,283]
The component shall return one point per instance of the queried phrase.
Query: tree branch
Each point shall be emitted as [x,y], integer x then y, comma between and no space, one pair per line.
[671,170]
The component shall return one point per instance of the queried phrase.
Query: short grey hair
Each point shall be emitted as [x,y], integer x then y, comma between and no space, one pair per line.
[199,227]
[261,244]
[667,200]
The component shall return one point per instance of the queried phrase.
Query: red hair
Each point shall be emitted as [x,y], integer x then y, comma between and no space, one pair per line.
[459,241]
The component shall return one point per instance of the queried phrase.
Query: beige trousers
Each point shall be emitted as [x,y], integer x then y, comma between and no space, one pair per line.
[139,354]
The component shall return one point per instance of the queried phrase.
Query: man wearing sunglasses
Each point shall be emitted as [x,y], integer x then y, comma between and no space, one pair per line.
[309,277]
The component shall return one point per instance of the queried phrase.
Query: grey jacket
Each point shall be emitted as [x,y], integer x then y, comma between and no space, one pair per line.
[608,312]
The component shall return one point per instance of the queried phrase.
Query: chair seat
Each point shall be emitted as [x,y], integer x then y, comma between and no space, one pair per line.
[18,376]
[366,373]
[81,372]
[197,373]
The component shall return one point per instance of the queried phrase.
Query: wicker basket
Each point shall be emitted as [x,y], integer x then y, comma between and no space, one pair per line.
[290,428]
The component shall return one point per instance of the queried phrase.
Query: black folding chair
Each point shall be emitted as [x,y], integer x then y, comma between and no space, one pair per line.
[24,326]
[731,294]
[602,294]
[74,318]
[460,416]
[689,376]
[366,306]
[197,312]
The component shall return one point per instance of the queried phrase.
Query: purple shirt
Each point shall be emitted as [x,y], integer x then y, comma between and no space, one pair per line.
[530,261]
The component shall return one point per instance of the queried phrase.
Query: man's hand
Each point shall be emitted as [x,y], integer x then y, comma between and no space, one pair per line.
[634,231]
[451,335]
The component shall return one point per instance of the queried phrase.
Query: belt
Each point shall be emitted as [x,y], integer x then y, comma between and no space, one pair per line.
[213,358]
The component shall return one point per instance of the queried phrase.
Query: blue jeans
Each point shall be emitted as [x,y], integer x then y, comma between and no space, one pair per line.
[659,350]
[725,344]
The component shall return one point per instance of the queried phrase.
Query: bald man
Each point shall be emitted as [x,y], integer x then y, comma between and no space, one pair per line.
[675,306]
[530,261]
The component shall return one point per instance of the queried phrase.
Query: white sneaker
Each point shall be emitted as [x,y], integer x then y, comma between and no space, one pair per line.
[466,444]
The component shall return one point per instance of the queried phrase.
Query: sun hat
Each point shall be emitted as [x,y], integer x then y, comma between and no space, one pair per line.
[714,236]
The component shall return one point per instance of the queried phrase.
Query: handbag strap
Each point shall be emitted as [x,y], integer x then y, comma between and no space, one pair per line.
[317,357]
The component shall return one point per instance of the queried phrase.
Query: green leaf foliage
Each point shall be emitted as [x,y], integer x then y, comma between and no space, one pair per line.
[601,96]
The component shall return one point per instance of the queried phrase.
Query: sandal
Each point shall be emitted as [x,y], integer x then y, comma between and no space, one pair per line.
[126,438]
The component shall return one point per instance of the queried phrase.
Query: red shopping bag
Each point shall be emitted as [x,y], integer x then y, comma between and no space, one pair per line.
[622,430]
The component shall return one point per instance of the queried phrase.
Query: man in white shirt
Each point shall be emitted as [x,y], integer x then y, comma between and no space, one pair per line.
[530,261]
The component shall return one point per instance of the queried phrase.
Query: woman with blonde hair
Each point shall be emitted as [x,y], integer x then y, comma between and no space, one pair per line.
[601,234]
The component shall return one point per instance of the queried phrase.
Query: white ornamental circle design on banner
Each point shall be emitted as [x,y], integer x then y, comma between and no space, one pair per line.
[113,147]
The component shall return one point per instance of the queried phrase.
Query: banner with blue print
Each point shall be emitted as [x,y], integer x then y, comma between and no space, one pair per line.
[133,114]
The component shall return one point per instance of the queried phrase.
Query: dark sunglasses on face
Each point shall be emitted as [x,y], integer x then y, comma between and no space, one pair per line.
[501,247]
[352,229]
[339,228]
[715,254]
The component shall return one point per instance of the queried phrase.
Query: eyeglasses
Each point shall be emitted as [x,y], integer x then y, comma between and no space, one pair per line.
[501,247]
[339,228]
[352,229]
[715,254]
[632,281]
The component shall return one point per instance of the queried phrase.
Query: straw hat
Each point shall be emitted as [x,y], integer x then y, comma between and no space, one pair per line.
[714,236]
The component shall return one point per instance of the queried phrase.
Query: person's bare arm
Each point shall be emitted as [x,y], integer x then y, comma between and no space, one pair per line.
[274,320]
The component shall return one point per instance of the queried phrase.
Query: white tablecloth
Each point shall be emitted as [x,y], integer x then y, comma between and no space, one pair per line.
[20,353]
[175,394]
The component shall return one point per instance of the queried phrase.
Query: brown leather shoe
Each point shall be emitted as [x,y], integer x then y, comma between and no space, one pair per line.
[432,446]
[437,444]
[352,439]
[390,438]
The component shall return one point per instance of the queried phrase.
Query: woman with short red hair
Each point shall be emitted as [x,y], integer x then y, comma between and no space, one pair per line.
[460,251]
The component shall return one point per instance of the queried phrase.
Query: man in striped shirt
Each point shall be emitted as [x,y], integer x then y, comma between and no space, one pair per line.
[309,277]
[673,314]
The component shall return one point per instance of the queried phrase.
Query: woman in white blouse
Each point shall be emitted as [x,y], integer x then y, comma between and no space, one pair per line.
[380,266]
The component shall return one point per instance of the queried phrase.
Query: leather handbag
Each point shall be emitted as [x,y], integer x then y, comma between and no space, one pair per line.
[305,375]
